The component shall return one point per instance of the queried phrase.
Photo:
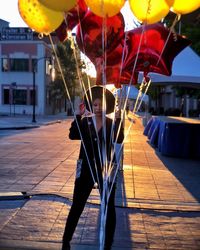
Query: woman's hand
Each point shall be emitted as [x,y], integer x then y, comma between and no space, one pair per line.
[117,113]
[80,110]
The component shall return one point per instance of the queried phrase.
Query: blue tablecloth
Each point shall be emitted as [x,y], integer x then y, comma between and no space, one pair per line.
[173,136]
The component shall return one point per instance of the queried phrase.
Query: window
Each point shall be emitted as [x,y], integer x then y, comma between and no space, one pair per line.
[31,97]
[19,65]
[20,96]
[6,96]
[13,95]
[4,64]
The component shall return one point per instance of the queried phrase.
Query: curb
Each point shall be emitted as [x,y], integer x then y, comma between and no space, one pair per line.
[5,196]
[22,127]
[19,128]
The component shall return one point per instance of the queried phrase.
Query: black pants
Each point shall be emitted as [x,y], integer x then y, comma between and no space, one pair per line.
[82,190]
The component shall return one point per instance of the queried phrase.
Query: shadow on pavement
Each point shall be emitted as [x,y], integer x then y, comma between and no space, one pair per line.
[123,226]
[187,171]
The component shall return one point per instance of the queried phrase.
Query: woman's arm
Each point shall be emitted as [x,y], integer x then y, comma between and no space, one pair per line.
[119,127]
[76,126]
[74,133]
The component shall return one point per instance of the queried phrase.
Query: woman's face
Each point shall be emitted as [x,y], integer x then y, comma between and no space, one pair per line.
[97,107]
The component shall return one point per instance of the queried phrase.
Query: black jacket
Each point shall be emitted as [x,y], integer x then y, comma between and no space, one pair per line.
[94,147]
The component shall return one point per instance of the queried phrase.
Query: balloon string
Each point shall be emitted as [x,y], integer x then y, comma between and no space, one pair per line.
[90,108]
[121,68]
[177,18]
[104,42]
[107,163]
[120,107]
[74,47]
[123,103]
[118,163]
[128,130]
[102,151]
[83,87]
[123,109]
[89,84]
[103,146]
[70,37]
[104,209]
[141,95]
[69,97]
[147,85]
[123,112]
[134,67]
[82,41]
[104,203]
[90,135]
[126,98]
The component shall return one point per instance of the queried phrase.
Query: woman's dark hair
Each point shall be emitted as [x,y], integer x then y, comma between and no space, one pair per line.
[98,92]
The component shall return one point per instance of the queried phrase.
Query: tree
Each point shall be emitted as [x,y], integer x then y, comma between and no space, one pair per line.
[193,33]
[69,67]
[188,26]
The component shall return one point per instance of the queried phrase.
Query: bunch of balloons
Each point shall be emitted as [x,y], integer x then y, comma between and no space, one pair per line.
[46,15]
[101,35]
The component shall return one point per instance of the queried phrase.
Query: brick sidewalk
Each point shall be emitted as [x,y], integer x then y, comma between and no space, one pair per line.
[157,197]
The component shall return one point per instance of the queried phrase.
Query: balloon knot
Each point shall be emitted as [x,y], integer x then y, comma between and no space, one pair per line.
[40,35]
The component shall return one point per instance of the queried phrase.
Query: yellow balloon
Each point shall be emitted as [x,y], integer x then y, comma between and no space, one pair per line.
[150,11]
[185,6]
[105,8]
[38,17]
[59,5]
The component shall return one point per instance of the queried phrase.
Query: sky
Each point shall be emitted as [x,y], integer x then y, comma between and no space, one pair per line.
[9,12]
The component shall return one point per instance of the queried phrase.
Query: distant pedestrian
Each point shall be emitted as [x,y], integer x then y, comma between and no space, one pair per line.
[182,107]
[127,109]
[90,165]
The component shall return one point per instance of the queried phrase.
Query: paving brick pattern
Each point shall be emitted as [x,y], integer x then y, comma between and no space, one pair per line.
[157,197]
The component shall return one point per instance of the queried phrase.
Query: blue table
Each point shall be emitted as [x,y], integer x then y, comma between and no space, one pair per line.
[174,136]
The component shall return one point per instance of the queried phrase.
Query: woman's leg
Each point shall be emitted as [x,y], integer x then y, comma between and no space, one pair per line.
[82,191]
[110,221]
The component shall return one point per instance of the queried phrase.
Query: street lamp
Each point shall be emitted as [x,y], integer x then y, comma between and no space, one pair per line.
[34,71]
[13,87]
[34,66]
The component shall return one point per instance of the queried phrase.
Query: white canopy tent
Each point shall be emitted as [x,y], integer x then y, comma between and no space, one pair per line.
[185,71]
[131,92]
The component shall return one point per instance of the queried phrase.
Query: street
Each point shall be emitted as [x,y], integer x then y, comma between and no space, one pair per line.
[32,157]
[157,205]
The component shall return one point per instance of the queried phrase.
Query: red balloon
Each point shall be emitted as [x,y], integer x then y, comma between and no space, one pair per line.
[61,32]
[150,48]
[115,76]
[157,51]
[114,72]
[73,17]
[89,34]
[76,14]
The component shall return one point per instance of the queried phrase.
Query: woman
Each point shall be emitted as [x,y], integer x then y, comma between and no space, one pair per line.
[96,153]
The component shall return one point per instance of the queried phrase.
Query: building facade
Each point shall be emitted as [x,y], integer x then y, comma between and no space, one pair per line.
[25,69]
